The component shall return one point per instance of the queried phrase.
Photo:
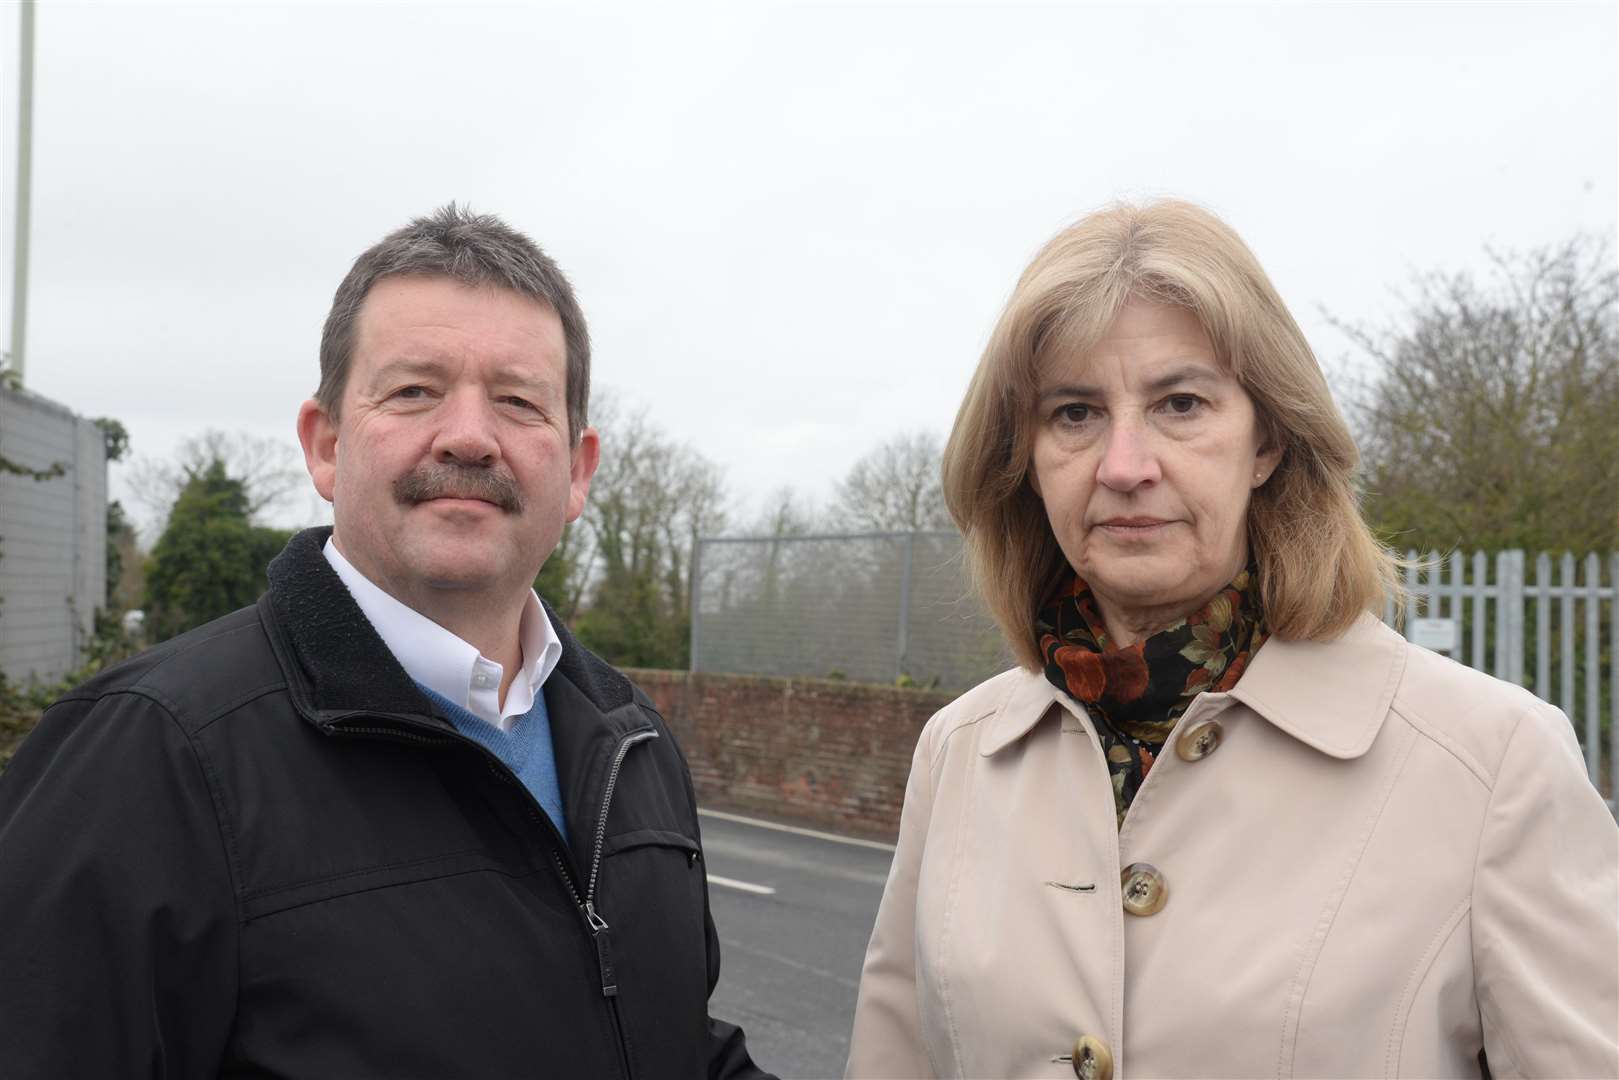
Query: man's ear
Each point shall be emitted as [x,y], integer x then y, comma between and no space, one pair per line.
[318,435]
[582,466]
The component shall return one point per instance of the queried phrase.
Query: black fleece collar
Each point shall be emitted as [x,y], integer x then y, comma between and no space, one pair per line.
[343,665]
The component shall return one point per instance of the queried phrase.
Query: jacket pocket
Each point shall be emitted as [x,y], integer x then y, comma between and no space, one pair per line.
[651,894]
[638,838]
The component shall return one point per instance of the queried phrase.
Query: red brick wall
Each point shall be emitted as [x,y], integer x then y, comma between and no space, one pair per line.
[830,755]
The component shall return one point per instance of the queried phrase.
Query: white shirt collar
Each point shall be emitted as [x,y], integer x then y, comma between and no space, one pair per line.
[448,665]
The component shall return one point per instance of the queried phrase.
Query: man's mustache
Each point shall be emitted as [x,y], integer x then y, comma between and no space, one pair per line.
[439,480]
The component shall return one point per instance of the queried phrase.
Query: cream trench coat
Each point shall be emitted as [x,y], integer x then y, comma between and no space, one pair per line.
[1385,863]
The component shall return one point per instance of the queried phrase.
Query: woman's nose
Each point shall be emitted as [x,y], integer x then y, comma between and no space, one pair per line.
[1128,459]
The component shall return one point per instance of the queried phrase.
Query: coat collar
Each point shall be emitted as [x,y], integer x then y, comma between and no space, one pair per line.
[1330,695]
[336,664]
[1031,698]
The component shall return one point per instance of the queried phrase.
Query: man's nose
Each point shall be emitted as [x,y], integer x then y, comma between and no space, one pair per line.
[1128,457]
[466,431]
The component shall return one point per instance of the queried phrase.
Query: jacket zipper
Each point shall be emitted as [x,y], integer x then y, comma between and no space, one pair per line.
[587,905]
[596,926]
[599,929]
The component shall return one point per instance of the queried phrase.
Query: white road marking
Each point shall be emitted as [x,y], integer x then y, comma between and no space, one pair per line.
[745,886]
[876,845]
[852,984]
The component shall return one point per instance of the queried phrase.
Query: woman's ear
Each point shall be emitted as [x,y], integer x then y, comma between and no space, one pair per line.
[1266,461]
[1271,451]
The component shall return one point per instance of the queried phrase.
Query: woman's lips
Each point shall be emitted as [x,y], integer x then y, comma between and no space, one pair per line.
[1134,527]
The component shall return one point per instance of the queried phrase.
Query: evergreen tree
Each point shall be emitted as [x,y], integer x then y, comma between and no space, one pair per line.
[211,558]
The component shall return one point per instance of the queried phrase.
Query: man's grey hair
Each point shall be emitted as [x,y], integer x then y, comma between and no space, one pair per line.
[476,250]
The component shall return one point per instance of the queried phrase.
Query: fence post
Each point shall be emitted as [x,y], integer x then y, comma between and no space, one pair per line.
[695,598]
[1543,626]
[1458,604]
[1593,688]
[1509,616]
[1413,600]
[1435,567]
[1519,562]
[904,644]
[1565,630]
[1613,693]
[1503,627]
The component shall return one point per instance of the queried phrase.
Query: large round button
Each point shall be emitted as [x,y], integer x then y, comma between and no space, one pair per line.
[1092,1059]
[1199,741]
[1144,889]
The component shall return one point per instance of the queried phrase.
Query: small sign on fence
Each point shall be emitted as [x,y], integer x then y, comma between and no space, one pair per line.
[1440,635]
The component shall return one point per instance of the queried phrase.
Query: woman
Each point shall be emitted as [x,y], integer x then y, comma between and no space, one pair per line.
[1221,822]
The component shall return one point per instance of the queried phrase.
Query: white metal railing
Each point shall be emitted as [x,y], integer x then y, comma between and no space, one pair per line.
[1486,621]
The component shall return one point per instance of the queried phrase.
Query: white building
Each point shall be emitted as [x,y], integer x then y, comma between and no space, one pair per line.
[53,537]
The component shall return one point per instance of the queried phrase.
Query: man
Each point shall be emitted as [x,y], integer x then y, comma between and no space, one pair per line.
[392,821]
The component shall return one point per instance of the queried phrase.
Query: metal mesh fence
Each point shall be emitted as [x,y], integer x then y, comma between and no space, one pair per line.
[879,607]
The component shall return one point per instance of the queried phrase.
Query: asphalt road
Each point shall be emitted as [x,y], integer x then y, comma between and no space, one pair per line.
[791,957]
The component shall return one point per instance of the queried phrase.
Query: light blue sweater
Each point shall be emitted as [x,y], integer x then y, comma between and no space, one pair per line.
[525,749]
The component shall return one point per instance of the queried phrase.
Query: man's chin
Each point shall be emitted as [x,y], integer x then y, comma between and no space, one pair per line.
[446,576]
[449,558]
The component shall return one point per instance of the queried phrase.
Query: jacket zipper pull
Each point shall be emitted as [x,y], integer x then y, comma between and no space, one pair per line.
[604,950]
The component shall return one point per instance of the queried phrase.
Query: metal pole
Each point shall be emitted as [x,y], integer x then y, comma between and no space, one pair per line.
[695,598]
[904,643]
[25,146]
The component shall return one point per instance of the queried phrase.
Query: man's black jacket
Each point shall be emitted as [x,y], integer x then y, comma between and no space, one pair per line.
[257,850]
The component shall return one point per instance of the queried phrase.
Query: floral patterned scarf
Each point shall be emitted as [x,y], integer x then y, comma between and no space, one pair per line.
[1135,694]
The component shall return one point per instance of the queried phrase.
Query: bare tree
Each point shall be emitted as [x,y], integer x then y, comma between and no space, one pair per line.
[651,498]
[1492,419]
[894,488]
[271,471]
[785,513]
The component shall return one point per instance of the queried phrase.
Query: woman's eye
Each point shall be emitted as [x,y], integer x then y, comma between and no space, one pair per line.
[1074,413]
[1182,403]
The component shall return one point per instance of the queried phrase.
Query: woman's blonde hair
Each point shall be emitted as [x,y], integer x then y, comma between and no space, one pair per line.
[1320,566]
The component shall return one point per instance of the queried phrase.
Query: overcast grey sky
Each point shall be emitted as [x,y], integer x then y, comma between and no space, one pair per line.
[791,225]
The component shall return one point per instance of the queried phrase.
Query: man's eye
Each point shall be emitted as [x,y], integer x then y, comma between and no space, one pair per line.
[410,392]
[521,403]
